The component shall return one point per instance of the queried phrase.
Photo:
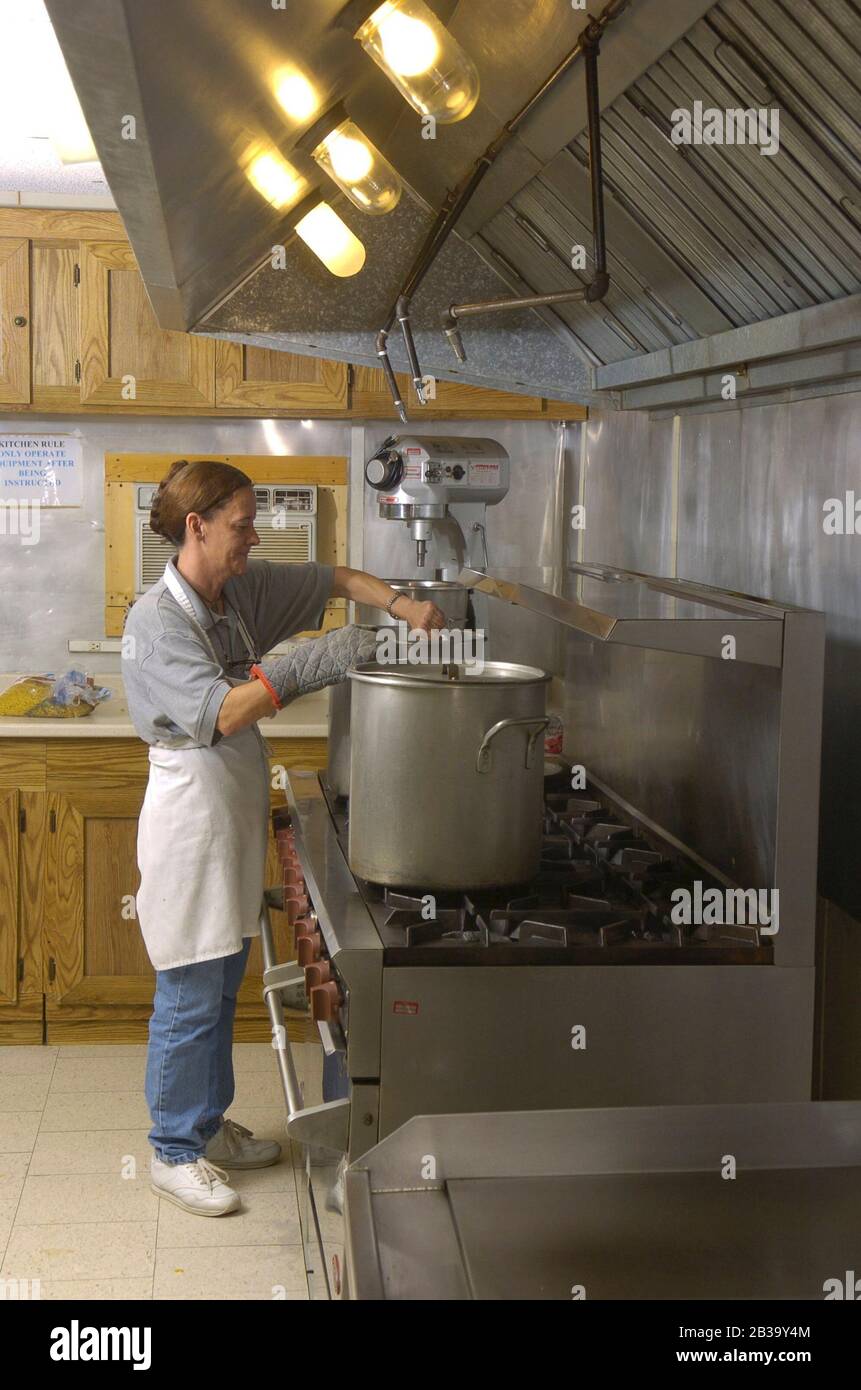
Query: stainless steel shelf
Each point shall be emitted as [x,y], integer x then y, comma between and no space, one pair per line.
[640,610]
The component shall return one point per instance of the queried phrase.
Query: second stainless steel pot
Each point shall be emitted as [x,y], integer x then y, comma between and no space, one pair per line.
[446,775]
[451,598]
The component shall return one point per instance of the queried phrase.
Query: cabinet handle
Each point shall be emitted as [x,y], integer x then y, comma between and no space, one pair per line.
[20,321]
[53,822]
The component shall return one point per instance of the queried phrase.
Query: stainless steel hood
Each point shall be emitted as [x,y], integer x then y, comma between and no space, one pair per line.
[720,259]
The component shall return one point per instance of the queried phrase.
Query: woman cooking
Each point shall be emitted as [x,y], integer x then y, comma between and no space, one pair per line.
[197,685]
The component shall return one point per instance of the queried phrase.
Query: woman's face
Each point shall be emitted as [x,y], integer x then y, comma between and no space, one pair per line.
[230,535]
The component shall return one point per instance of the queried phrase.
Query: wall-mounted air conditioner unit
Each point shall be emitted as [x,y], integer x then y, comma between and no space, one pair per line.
[286,524]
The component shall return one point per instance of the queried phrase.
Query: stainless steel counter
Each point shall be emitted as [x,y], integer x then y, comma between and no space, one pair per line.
[609,1204]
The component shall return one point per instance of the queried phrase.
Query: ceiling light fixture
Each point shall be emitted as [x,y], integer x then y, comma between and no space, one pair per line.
[419,55]
[332,241]
[295,95]
[354,163]
[275,179]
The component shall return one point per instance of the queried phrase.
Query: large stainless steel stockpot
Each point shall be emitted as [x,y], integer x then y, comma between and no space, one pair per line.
[446,774]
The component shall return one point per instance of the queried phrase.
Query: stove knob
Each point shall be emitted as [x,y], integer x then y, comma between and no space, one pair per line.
[318,974]
[308,948]
[326,1000]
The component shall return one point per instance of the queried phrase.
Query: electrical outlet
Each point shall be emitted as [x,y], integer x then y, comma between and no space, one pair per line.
[109,644]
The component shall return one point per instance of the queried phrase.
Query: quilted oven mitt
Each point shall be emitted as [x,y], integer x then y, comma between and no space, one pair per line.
[324,661]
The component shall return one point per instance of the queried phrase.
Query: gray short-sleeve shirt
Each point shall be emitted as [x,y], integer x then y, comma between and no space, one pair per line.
[173,687]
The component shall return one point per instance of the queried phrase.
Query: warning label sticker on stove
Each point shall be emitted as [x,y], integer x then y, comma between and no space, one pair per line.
[405,1006]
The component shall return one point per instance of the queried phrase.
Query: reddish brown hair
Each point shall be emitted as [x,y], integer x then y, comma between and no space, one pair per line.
[203,486]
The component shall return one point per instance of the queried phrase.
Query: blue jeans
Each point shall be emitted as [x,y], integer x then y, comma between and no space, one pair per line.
[189,1065]
[336,1078]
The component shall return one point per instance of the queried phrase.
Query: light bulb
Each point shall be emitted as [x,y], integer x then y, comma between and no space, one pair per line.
[296,96]
[359,169]
[351,159]
[275,179]
[331,240]
[419,55]
[410,47]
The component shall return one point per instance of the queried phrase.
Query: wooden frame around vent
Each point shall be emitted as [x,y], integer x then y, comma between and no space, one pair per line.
[328,473]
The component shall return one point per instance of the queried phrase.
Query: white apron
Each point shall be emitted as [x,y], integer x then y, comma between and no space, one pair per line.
[202,839]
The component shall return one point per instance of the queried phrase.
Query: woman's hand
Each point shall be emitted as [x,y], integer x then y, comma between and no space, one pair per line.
[420,617]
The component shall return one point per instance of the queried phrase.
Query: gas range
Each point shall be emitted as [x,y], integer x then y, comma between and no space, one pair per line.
[602,896]
[574,990]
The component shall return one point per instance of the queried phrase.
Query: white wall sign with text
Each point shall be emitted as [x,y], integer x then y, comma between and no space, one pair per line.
[43,468]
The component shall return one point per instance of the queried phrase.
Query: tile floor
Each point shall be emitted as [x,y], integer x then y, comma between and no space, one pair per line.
[76,1210]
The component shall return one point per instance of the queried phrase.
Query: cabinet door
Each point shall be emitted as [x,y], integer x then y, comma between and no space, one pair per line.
[14,321]
[250,377]
[9,834]
[371,397]
[22,818]
[126,358]
[56,332]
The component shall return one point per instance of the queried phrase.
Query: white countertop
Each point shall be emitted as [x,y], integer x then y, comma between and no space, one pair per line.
[307,717]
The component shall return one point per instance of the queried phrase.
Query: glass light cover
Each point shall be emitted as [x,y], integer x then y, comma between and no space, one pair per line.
[358,168]
[331,240]
[419,55]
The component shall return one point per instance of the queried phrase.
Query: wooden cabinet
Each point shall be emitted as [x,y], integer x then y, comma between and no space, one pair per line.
[371,398]
[70,945]
[8,895]
[268,380]
[22,820]
[126,358]
[14,321]
[92,344]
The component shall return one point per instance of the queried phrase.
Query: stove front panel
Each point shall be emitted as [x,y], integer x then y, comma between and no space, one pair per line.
[550,1037]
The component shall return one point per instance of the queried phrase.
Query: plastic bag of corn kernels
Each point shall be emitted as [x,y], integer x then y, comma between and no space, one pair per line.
[72,696]
[22,696]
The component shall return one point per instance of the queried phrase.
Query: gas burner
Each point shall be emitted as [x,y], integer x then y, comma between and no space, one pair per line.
[582,921]
[449,925]
[601,884]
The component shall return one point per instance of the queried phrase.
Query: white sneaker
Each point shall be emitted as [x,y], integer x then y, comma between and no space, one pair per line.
[197,1187]
[234,1146]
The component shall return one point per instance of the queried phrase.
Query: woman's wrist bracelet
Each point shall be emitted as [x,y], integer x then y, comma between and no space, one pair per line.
[391,604]
[257,674]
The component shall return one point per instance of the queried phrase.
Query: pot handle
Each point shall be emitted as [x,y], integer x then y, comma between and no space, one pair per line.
[482,762]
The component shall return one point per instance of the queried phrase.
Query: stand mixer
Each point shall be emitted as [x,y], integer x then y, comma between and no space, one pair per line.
[441,483]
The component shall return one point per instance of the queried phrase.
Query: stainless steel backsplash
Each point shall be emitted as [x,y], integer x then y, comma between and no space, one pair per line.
[730,498]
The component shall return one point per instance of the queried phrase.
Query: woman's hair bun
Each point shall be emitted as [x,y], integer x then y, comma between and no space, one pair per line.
[206,486]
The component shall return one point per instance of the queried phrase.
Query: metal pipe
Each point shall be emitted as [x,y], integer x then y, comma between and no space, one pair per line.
[383,354]
[457,200]
[600,279]
[488,306]
[403,312]
[445,220]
